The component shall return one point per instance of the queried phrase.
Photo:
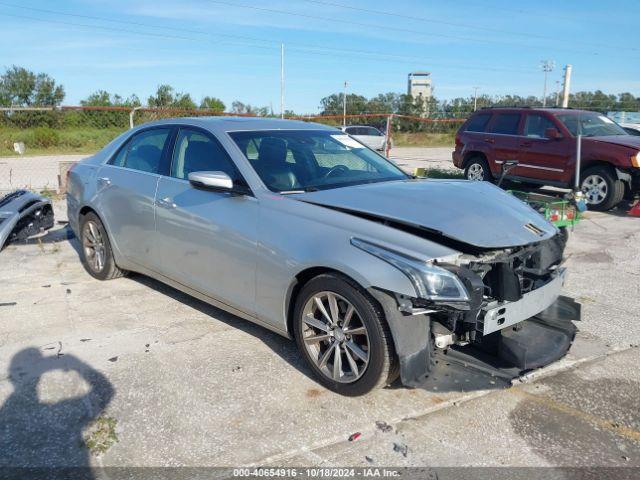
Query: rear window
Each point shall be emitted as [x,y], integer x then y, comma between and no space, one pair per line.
[506,123]
[478,123]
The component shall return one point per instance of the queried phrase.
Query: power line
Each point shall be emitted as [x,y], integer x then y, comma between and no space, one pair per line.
[452,24]
[397,29]
[308,48]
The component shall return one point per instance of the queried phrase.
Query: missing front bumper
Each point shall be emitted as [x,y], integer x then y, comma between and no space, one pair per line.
[501,356]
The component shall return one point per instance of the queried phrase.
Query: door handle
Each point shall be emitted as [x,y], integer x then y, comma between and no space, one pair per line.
[166,202]
[526,144]
[104,181]
[489,140]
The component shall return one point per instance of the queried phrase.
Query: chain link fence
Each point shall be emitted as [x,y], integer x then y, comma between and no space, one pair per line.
[38,144]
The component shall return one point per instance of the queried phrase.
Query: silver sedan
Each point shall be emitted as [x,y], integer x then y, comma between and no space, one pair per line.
[302,229]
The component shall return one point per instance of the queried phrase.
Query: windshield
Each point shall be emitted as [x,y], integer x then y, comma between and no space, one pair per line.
[590,124]
[309,160]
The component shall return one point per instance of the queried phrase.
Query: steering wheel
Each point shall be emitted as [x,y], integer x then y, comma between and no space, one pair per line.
[336,169]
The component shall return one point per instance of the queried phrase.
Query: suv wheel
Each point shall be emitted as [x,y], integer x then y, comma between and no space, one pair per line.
[97,257]
[602,188]
[477,169]
[343,335]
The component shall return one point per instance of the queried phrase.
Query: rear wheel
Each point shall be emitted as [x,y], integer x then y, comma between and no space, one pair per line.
[343,335]
[477,169]
[97,256]
[602,188]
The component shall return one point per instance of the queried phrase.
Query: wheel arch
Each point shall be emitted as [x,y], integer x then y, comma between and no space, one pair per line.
[471,154]
[299,281]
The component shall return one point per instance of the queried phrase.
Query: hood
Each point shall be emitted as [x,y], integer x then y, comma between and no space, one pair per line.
[631,141]
[478,214]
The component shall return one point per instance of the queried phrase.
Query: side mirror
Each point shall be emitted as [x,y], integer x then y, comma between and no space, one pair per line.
[552,133]
[211,180]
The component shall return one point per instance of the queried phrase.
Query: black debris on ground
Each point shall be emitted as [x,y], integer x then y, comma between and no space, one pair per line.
[401,448]
[113,359]
[383,426]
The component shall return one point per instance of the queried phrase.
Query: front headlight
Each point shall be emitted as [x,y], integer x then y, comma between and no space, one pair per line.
[635,160]
[430,281]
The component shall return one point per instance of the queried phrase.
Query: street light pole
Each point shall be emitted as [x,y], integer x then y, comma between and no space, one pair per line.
[475,98]
[344,106]
[547,66]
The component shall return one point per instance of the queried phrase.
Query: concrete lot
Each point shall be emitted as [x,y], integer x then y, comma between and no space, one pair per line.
[182,383]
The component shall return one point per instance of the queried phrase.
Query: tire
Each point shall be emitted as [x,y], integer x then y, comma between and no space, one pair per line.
[602,188]
[92,232]
[380,367]
[477,169]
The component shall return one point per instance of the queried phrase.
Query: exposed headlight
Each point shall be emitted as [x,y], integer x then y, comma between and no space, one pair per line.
[430,281]
[635,160]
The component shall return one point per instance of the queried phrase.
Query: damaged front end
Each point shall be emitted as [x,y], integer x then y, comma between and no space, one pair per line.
[493,316]
[24,214]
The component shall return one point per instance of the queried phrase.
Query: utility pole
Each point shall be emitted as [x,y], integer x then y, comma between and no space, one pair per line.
[557,93]
[475,98]
[344,106]
[282,80]
[547,66]
[566,86]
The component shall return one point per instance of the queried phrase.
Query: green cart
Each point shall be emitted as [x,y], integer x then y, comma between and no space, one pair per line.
[560,212]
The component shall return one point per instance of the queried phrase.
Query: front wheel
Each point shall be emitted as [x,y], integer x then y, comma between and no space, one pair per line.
[343,335]
[602,189]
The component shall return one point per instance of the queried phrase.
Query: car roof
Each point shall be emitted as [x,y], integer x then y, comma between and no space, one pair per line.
[231,124]
[551,110]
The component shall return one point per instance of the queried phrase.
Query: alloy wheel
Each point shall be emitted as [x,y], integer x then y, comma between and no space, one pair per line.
[475,172]
[93,246]
[595,189]
[335,337]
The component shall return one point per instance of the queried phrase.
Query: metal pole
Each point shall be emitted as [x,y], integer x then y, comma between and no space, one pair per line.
[282,80]
[578,153]
[475,98]
[565,87]
[131,114]
[387,139]
[344,106]
[547,66]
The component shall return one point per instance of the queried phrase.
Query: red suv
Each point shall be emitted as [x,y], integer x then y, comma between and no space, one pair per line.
[543,141]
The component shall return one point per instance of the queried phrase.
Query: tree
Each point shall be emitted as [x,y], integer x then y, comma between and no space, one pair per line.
[167,97]
[212,103]
[247,109]
[24,88]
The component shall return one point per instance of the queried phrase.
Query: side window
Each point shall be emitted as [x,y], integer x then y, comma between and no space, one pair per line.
[478,123]
[144,151]
[506,124]
[535,125]
[350,130]
[197,152]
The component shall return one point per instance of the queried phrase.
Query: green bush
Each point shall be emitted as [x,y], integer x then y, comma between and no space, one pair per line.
[45,137]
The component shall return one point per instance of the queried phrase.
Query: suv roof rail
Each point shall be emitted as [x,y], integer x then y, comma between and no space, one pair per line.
[506,106]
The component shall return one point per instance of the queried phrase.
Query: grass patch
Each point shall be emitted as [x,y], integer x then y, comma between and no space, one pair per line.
[424,139]
[101,435]
[43,140]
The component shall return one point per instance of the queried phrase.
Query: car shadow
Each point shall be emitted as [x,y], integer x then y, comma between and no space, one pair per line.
[42,435]
[284,347]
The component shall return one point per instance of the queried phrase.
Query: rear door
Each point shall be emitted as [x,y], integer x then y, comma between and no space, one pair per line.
[503,133]
[126,194]
[543,158]
[206,239]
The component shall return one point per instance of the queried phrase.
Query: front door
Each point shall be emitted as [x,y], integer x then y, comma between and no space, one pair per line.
[207,239]
[543,158]
[127,187]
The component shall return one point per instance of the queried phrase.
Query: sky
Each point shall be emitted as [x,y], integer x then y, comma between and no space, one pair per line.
[231,49]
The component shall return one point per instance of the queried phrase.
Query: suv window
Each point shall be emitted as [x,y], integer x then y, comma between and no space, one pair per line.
[478,123]
[144,151]
[374,132]
[196,152]
[536,124]
[506,124]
